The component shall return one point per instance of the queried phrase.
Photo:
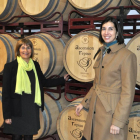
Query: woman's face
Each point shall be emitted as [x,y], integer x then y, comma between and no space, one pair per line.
[108,32]
[25,52]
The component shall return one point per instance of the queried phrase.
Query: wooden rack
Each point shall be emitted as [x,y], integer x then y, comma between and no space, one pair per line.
[27,28]
[93,22]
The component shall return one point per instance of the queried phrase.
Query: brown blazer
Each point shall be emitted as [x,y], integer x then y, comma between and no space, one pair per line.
[110,98]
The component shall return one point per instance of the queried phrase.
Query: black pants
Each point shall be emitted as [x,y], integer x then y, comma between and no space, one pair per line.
[19,137]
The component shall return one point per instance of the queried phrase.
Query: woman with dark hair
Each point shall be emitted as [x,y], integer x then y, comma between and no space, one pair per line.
[119,35]
[110,98]
[23,94]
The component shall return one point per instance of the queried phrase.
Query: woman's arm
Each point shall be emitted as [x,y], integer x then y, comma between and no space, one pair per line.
[6,91]
[50,82]
[86,100]
[128,79]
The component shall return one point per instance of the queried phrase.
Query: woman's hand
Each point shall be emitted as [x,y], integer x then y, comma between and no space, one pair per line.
[8,121]
[78,109]
[114,129]
[66,77]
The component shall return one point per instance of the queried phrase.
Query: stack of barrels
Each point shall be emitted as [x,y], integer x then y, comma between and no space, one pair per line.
[91,8]
[56,56]
[36,9]
[44,9]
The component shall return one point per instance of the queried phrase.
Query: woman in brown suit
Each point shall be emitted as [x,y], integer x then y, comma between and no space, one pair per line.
[110,98]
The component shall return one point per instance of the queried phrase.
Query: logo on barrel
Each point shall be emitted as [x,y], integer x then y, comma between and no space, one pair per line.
[85,39]
[85,63]
[77,133]
[34,41]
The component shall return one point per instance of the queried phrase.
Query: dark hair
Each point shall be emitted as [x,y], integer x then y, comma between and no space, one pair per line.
[120,37]
[26,42]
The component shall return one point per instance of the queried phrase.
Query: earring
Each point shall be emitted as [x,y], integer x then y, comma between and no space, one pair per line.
[116,34]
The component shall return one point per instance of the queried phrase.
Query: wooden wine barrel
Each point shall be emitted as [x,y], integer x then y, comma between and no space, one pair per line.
[48,117]
[9,9]
[69,125]
[44,9]
[134,122]
[1,112]
[49,53]
[134,46]
[7,47]
[94,7]
[79,53]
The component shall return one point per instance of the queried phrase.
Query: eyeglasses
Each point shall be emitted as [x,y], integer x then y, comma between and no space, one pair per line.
[25,47]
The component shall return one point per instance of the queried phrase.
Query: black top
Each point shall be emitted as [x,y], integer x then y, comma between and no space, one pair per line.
[28,123]
[12,102]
